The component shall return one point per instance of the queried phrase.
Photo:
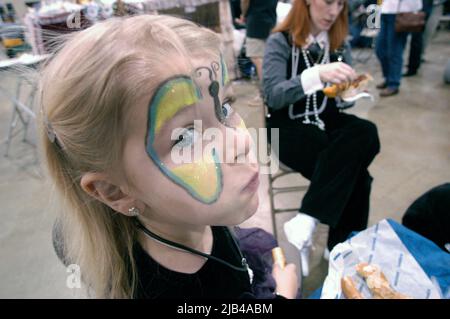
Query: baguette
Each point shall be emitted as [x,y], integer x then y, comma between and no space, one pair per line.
[349,288]
[278,257]
[377,282]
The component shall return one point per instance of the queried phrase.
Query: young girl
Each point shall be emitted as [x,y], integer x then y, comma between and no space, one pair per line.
[118,101]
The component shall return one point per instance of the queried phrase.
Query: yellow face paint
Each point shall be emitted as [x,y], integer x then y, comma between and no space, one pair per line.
[172,97]
[242,125]
[201,179]
[225,78]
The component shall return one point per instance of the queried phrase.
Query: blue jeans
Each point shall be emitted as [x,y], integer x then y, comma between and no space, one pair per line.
[389,50]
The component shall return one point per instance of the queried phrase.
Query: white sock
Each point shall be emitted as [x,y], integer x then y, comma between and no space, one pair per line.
[326,254]
[300,229]
[304,258]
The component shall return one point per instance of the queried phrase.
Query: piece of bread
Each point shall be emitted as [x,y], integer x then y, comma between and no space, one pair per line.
[334,90]
[278,257]
[349,288]
[348,88]
[377,282]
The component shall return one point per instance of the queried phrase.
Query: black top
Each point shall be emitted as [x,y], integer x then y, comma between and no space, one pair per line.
[280,117]
[214,280]
[261,18]
[299,106]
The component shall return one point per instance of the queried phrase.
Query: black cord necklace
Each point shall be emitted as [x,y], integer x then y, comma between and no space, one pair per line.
[172,244]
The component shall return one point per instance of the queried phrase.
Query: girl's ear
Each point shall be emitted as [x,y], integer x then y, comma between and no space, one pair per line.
[101,188]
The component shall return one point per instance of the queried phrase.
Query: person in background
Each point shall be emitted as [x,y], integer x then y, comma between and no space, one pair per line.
[391,44]
[236,12]
[260,16]
[358,21]
[332,149]
[416,46]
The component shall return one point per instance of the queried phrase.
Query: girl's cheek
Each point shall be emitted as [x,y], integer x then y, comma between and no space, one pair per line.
[202,179]
[241,125]
[200,175]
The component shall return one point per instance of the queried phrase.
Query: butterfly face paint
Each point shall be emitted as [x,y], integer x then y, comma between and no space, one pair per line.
[224,112]
[202,179]
[223,65]
[225,80]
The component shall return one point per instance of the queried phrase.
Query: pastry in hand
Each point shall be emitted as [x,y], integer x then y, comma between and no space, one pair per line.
[349,91]
[278,257]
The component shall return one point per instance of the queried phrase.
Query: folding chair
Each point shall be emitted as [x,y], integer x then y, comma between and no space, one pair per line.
[274,190]
[22,113]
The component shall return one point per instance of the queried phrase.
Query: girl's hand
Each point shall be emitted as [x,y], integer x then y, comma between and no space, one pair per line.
[286,279]
[336,72]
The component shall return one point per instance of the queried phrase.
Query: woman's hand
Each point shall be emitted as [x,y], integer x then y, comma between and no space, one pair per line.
[286,279]
[336,72]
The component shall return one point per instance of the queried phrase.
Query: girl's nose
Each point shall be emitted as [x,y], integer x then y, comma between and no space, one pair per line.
[238,145]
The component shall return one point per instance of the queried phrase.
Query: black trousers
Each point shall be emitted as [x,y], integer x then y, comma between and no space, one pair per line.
[415,52]
[336,162]
[416,44]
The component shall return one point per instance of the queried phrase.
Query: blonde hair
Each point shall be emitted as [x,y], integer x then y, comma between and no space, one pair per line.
[86,90]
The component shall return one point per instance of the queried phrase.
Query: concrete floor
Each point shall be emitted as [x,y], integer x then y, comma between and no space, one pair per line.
[415,156]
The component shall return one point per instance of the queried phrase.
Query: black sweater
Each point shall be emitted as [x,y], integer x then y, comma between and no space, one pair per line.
[214,280]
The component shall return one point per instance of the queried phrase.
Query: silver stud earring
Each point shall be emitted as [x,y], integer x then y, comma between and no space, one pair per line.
[133,211]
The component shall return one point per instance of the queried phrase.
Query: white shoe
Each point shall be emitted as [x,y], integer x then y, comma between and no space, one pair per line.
[299,231]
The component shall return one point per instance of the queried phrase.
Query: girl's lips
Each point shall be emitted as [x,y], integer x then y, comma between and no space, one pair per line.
[252,185]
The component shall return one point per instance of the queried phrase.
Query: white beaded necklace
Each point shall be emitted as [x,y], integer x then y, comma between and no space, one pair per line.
[317,120]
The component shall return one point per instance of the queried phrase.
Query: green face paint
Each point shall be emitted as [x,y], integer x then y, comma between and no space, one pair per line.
[225,78]
[201,179]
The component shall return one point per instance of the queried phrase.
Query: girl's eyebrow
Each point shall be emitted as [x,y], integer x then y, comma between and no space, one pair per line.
[172,96]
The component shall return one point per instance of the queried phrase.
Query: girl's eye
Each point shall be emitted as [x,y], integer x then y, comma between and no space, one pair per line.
[186,137]
[226,110]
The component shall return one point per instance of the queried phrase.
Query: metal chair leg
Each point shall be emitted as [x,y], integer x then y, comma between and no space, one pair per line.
[12,125]
[30,102]
[14,117]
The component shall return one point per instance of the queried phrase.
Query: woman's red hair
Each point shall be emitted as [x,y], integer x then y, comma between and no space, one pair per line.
[298,23]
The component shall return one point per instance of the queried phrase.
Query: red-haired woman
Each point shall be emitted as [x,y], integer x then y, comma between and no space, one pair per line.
[306,52]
